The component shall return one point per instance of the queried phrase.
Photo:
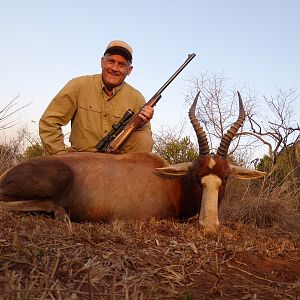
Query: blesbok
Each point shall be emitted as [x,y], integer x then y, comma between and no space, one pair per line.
[94,186]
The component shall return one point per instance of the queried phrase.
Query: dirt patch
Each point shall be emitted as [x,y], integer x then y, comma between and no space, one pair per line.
[42,258]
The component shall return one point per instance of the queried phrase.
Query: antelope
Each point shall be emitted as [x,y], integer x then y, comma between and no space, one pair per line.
[95,186]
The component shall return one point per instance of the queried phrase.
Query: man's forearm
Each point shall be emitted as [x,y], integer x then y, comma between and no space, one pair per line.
[52,138]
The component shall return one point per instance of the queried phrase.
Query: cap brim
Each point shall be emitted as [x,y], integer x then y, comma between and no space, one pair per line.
[120,51]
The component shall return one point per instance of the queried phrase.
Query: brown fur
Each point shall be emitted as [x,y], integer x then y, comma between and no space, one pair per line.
[94,186]
[37,179]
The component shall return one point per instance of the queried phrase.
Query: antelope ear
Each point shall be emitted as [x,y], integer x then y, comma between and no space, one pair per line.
[245,173]
[175,170]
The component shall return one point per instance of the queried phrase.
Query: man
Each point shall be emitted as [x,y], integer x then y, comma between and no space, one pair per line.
[93,104]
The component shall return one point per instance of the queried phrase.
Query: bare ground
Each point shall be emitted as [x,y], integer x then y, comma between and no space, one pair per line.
[43,258]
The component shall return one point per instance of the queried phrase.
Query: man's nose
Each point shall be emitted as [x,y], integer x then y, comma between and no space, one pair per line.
[115,67]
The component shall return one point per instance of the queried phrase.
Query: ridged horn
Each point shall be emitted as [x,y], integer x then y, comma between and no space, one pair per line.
[202,140]
[227,138]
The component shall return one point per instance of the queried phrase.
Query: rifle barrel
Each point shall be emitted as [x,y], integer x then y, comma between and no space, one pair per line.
[189,58]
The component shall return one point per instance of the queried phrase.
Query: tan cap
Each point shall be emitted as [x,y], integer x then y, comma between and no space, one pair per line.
[121,48]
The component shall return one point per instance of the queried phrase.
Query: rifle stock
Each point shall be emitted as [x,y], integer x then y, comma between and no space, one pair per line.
[114,145]
[129,128]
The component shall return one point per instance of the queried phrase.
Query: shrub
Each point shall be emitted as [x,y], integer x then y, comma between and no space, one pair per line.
[175,150]
[34,151]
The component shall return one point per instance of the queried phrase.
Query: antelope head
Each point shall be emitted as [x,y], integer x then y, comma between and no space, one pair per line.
[211,172]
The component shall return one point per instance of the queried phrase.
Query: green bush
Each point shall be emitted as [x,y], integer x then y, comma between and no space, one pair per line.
[34,150]
[175,150]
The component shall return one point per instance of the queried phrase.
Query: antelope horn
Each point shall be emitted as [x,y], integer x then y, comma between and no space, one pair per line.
[202,141]
[227,138]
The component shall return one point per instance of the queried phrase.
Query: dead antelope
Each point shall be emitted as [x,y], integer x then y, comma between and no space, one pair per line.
[94,186]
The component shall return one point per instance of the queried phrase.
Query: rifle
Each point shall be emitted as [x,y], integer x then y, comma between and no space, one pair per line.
[129,123]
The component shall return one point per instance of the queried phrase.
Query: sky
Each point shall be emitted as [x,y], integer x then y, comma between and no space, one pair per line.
[44,44]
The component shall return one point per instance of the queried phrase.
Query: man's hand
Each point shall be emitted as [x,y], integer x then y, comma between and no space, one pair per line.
[146,114]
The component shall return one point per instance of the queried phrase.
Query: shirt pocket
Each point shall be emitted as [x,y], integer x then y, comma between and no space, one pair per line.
[89,116]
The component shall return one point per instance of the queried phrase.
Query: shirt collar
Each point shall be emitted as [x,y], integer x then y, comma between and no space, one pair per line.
[103,88]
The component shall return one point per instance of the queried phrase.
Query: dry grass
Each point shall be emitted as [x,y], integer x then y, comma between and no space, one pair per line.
[265,203]
[42,258]
[255,254]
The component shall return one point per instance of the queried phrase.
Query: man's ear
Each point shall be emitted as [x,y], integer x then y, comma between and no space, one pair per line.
[129,70]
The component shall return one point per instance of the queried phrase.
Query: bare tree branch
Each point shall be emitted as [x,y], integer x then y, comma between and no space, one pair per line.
[259,137]
[274,126]
[9,110]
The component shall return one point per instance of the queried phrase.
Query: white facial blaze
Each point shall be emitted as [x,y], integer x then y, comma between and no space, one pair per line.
[209,207]
[211,163]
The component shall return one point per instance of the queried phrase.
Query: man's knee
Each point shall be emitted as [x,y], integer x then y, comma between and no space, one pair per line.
[140,141]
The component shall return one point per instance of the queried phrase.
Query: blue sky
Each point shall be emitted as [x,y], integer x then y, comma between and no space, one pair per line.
[46,43]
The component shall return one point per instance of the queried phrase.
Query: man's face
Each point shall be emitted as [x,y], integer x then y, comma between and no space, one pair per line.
[115,68]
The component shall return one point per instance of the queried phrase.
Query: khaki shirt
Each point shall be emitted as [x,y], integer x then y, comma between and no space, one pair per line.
[92,113]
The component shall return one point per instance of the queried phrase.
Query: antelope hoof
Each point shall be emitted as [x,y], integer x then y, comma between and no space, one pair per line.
[60,213]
